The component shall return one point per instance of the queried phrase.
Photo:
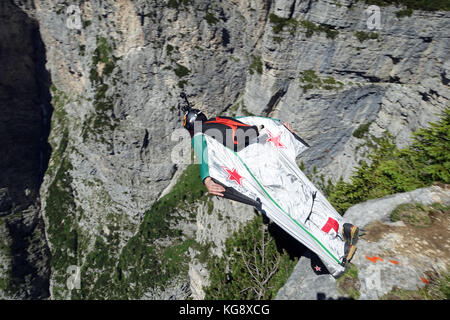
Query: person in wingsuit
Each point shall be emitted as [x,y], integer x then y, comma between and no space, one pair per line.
[251,159]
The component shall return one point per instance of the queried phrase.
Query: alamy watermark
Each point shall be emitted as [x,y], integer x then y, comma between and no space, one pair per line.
[74,279]
[373,21]
[73,21]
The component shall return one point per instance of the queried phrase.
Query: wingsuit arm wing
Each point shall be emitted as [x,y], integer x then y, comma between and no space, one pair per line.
[300,144]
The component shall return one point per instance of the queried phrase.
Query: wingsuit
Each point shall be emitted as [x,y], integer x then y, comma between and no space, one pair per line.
[253,158]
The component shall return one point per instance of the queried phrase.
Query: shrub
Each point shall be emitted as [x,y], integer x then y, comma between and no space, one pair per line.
[310,80]
[210,18]
[181,71]
[363,36]
[312,28]
[362,130]
[279,23]
[426,5]
[394,170]
[256,65]
[251,266]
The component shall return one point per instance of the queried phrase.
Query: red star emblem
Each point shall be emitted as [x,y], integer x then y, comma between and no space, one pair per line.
[275,140]
[233,175]
[317,268]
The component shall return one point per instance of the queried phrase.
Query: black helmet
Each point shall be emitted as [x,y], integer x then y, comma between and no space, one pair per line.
[191,116]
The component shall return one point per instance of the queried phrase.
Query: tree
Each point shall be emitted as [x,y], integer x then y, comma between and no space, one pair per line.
[252,267]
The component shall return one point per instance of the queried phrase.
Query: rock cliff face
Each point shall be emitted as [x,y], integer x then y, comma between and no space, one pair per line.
[391,255]
[24,127]
[116,74]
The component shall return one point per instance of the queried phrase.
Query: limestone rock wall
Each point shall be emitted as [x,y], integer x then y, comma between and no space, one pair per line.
[116,79]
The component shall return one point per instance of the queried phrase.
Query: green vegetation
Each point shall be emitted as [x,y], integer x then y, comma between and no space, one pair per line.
[61,214]
[278,39]
[235,59]
[251,267]
[181,71]
[362,130]
[211,18]
[363,36]
[416,214]
[102,54]
[175,4]
[392,170]
[426,5]
[86,23]
[5,251]
[279,23]
[348,283]
[59,100]
[82,50]
[404,13]
[438,288]
[238,108]
[182,83]
[312,28]
[169,49]
[143,264]
[154,256]
[256,65]
[310,80]
[103,119]
[245,111]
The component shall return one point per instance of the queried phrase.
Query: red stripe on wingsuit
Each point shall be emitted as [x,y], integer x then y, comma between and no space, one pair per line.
[229,123]
[331,224]
[394,261]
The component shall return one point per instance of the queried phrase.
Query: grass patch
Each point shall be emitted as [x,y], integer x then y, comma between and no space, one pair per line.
[416,214]
[86,23]
[278,39]
[169,49]
[61,214]
[103,118]
[425,5]
[82,50]
[181,71]
[182,83]
[312,28]
[363,36]
[438,288]
[361,131]
[278,24]
[310,80]
[211,18]
[102,54]
[348,283]
[176,4]
[404,13]
[256,65]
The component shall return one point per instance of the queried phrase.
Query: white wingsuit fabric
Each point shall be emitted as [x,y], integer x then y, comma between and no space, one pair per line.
[267,170]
